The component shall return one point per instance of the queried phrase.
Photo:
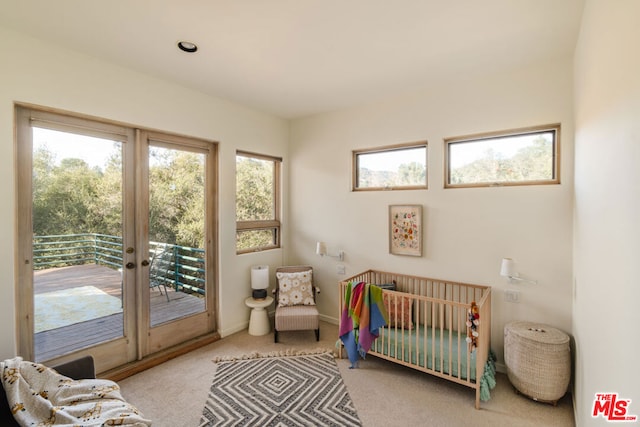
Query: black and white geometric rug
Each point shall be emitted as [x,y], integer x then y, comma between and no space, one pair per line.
[304,390]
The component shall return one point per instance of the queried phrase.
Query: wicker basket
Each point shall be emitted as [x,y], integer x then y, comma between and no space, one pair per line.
[538,360]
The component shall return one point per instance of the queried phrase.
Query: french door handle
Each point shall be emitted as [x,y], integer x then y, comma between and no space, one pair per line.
[144,262]
[130,265]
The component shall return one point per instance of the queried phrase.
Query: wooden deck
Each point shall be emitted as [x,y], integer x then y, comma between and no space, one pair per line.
[55,342]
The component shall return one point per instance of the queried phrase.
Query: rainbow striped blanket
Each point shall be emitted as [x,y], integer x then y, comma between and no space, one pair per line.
[362,317]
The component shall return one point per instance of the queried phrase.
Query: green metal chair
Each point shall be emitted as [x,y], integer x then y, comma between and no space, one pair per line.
[160,269]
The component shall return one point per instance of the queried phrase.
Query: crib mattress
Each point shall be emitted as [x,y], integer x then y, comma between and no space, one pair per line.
[428,348]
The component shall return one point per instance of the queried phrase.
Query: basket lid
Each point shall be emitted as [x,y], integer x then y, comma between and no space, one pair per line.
[537,332]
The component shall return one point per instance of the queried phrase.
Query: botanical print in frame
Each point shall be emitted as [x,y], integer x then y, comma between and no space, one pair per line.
[405,230]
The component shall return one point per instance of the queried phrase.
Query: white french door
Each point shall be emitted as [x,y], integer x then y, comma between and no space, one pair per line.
[116,243]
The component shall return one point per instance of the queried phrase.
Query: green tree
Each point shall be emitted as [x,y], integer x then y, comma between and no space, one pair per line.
[535,162]
[43,162]
[413,173]
[107,209]
[254,189]
[72,198]
[176,198]
[64,195]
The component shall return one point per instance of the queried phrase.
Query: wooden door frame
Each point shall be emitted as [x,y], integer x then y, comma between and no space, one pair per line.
[154,339]
[117,352]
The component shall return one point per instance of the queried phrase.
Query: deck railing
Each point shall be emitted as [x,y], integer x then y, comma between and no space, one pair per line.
[187,272]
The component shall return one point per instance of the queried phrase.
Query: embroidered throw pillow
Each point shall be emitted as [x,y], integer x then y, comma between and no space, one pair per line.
[399,310]
[295,288]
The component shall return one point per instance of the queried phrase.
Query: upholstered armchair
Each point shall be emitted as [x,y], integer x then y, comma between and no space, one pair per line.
[295,296]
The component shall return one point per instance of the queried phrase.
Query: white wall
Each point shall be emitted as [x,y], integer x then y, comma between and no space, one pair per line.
[37,72]
[467,231]
[607,206]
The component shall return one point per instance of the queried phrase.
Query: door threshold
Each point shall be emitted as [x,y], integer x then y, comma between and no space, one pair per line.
[132,368]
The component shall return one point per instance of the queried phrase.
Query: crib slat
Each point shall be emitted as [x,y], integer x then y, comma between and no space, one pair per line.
[450,337]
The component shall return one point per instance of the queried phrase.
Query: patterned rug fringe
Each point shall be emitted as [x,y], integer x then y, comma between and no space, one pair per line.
[282,353]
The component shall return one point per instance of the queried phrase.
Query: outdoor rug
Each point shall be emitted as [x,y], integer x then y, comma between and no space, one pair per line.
[68,306]
[275,390]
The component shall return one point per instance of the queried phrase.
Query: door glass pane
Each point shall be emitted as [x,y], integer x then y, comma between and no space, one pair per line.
[176,234]
[77,241]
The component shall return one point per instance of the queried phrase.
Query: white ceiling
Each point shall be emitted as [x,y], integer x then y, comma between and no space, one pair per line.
[294,58]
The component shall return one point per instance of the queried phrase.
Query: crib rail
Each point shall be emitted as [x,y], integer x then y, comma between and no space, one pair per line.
[427,327]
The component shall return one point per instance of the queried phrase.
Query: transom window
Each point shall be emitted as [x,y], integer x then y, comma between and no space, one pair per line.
[399,167]
[517,157]
[257,202]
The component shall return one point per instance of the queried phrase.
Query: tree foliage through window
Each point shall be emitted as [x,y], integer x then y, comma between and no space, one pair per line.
[512,159]
[70,197]
[256,202]
[397,167]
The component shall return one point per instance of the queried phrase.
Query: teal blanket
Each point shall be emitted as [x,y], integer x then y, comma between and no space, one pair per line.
[436,355]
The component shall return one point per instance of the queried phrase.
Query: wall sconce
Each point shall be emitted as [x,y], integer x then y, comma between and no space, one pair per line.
[507,269]
[321,249]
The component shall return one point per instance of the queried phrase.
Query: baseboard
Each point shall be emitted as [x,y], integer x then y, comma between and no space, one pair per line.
[332,320]
[241,327]
[576,416]
[501,367]
[155,359]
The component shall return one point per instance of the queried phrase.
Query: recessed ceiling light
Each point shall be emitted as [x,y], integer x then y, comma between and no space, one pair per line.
[187,46]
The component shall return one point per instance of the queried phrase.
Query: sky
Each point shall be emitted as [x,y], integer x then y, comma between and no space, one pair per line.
[94,151]
[391,160]
[462,153]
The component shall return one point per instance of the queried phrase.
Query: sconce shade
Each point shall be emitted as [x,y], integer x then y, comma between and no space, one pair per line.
[321,248]
[259,281]
[508,268]
[260,277]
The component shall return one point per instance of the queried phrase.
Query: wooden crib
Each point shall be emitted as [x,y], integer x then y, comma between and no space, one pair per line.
[427,327]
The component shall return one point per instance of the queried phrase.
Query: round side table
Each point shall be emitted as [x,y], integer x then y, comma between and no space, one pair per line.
[259,319]
[538,360]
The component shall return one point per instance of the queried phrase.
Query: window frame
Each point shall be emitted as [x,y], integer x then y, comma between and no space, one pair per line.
[258,225]
[355,170]
[555,128]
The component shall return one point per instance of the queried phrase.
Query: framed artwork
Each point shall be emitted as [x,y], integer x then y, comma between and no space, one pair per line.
[405,230]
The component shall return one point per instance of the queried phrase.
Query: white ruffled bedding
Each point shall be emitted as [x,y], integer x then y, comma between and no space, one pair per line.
[39,396]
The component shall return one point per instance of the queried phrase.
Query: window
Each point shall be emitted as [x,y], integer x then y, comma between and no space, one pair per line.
[518,157]
[257,202]
[400,167]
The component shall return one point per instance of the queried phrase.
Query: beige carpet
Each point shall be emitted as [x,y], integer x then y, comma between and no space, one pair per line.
[384,394]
